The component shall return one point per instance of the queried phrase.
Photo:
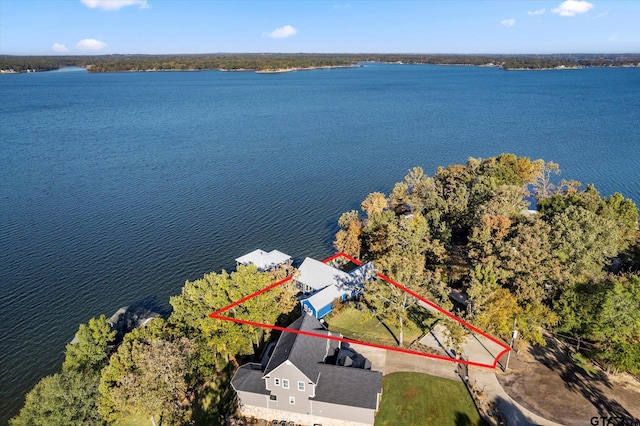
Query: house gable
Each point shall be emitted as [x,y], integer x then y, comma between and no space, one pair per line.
[305,352]
[297,380]
[287,394]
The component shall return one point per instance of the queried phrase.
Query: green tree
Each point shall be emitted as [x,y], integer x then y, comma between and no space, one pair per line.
[67,398]
[378,235]
[201,297]
[456,334]
[616,326]
[89,350]
[606,314]
[583,241]
[390,303]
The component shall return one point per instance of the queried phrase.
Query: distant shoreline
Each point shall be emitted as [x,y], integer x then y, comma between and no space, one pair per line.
[266,64]
[321,67]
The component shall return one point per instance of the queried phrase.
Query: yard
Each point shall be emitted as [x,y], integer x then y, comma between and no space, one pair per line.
[420,399]
[358,325]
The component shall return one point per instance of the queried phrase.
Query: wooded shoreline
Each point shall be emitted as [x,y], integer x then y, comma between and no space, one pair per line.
[273,62]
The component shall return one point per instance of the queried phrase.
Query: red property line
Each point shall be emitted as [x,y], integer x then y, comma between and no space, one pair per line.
[216,315]
[251,296]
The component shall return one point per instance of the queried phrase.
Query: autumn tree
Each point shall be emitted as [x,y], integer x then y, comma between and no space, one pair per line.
[149,376]
[543,186]
[374,204]
[348,237]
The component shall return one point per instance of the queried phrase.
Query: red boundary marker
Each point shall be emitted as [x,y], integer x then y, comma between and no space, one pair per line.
[216,315]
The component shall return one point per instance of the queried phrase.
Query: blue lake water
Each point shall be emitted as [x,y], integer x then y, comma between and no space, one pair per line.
[116,188]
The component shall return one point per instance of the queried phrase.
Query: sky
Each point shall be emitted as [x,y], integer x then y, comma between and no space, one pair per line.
[89,27]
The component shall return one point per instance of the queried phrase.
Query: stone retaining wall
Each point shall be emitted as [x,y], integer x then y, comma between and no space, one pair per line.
[299,419]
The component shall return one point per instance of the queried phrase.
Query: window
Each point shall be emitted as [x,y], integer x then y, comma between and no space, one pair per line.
[301,386]
[292,400]
[273,397]
[276,381]
[285,383]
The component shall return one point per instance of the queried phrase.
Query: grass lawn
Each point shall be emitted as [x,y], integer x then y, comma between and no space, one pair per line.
[420,399]
[355,324]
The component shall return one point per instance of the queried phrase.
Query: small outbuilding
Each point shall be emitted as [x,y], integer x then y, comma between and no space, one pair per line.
[265,261]
[321,284]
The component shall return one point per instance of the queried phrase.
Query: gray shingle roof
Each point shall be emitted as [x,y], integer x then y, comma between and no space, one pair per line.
[348,386]
[337,385]
[248,378]
[305,352]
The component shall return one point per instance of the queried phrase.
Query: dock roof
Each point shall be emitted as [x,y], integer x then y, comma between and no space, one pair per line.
[263,260]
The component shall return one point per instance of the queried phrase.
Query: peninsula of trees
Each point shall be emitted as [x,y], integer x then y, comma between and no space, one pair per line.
[277,61]
[572,265]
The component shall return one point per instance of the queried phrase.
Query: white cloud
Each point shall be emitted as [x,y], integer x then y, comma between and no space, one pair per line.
[282,32]
[508,22]
[536,12]
[572,8]
[57,47]
[90,44]
[115,4]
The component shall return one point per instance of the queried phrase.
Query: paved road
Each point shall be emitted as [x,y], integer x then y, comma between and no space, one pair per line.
[476,347]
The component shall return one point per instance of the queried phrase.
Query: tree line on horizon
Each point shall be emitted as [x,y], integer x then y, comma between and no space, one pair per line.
[272,61]
[572,266]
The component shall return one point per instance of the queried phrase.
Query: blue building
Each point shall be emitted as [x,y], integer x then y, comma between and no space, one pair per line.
[321,284]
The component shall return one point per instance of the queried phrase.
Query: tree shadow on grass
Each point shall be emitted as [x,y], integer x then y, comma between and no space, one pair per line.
[421,317]
[396,338]
[462,419]
[212,402]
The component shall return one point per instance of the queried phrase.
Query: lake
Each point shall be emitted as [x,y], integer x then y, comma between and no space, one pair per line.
[116,188]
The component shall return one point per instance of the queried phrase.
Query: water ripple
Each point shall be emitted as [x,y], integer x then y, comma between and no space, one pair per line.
[118,188]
